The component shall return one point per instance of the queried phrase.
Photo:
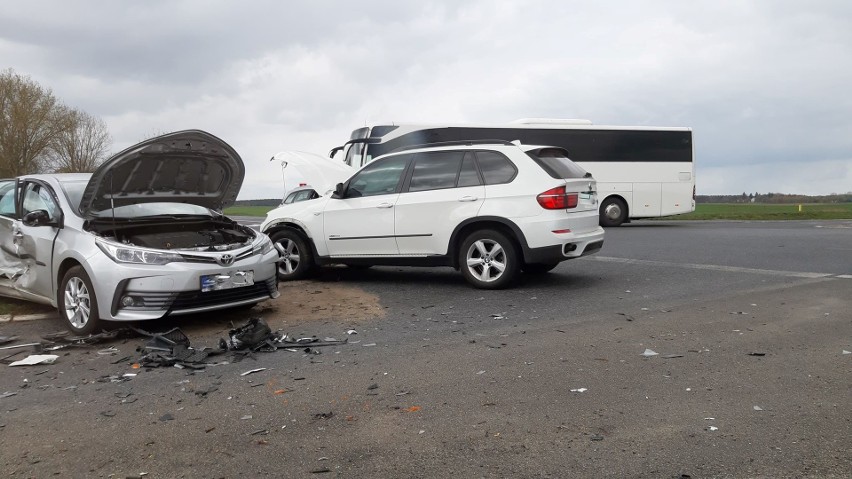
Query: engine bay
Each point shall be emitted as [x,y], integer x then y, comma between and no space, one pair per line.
[208,235]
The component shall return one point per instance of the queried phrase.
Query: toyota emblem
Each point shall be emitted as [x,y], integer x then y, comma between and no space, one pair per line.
[226,259]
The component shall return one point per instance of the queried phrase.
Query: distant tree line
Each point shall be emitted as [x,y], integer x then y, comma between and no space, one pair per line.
[40,134]
[773,198]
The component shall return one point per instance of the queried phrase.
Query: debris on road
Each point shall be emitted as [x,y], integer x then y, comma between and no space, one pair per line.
[351,332]
[252,371]
[757,408]
[253,334]
[18,346]
[579,390]
[650,353]
[757,354]
[7,394]
[847,352]
[672,356]
[34,359]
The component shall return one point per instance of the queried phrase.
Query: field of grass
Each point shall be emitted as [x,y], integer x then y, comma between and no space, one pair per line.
[757,211]
[248,210]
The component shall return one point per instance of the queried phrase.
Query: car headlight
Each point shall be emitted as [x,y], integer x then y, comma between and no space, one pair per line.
[127,254]
[265,245]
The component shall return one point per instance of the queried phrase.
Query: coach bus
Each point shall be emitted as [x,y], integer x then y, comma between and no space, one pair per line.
[641,172]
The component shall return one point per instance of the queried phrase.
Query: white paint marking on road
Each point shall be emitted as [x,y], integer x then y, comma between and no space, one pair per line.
[712,267]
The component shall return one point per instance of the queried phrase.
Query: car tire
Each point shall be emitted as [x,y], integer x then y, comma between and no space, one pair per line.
[538,268]
[489,260]
[76,301]
[613,212]
[296,259]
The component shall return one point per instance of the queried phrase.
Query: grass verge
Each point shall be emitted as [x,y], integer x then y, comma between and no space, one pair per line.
[756,211]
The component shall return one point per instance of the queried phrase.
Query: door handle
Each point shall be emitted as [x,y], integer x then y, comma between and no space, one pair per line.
[384,205]
[468,198]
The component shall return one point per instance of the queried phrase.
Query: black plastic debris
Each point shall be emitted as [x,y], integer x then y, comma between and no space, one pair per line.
[253,335]
[165,341]
[256,335]
[171,348]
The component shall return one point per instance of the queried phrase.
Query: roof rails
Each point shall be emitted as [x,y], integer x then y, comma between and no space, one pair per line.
[452,143]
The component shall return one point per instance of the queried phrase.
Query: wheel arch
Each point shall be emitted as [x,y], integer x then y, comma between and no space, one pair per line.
[285,224]
[503,225]
[618,197]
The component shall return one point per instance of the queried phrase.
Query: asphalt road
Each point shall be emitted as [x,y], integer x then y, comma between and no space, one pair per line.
[750,321]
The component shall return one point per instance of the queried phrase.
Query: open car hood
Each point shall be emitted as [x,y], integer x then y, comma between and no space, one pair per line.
[320,172]
[190,166]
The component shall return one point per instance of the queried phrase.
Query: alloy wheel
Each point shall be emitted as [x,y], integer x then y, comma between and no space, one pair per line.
[289,252]
[77,302]
[486,260]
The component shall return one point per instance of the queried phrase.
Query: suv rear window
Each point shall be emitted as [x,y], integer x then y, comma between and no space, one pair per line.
[556,163]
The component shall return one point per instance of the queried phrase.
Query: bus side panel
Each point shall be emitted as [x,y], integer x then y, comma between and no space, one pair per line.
[646,200]
[677,198]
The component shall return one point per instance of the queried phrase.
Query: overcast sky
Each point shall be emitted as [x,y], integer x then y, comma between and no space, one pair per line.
[765,85]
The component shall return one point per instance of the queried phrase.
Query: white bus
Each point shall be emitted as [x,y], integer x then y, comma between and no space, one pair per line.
[641,172]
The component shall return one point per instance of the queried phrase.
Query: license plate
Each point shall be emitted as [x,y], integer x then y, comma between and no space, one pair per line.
[231,279]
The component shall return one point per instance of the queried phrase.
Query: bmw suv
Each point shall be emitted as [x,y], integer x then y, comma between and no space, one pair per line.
[490,209]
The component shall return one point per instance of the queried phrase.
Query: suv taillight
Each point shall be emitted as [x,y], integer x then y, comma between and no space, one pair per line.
[557,199]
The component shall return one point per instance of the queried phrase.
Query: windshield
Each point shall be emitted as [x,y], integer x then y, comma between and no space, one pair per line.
[74,191]
[355,150]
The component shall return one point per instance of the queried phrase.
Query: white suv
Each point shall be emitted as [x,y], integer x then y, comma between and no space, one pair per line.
[490,209]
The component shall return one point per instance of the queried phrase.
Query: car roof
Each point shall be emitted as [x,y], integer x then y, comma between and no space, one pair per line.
[457,145]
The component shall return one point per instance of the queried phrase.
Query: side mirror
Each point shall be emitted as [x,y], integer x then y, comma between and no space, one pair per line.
[37,218]
[338,191]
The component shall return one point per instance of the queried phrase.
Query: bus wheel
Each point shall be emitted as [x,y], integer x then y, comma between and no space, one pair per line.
[613,212]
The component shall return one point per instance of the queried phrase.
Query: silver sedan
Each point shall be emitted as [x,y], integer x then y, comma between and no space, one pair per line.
[141,238]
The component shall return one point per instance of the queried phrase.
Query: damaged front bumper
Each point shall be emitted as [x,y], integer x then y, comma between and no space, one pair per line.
[130,292]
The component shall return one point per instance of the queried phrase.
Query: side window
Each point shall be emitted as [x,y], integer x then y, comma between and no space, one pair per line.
[468,175]
[435,170]
[378,178]
[39,197]
[496,168]
[7,198]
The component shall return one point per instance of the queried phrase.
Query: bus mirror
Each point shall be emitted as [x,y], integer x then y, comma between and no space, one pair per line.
[334,151]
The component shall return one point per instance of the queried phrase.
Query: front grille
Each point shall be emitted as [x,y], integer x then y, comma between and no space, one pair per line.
[199,258]
[197,299]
